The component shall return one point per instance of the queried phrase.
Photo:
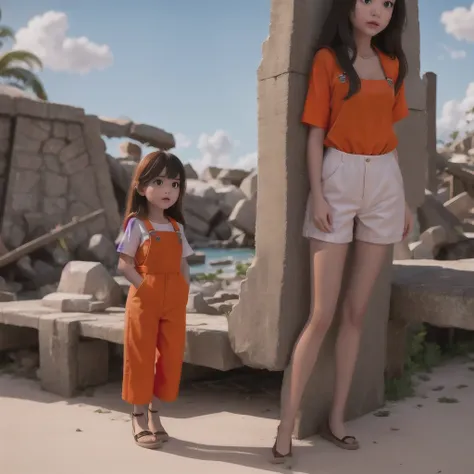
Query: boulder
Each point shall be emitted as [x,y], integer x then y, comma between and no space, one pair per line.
[244,215]
[228,196]
[190,172]
[130,150]
[101,249]
[152,136]
[210,173]
[460,205]
[432,213]
[90,278]
[249,185]
[201,189]
[232,176]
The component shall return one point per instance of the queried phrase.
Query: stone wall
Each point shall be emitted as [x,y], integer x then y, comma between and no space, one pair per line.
[275,299]
[54,169]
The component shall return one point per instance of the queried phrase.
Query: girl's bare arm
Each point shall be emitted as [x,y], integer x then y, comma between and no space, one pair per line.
[185,270]
[315,159]
[126,266]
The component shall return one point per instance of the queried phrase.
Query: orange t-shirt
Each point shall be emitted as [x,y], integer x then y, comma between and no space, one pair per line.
[363,124]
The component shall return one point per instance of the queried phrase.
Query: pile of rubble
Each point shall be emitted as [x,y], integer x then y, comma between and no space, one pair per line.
[219,207]
[445,221]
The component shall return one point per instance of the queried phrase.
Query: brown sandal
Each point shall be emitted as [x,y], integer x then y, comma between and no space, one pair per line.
[160,435]
[279,458]
[348,442]
[137,436]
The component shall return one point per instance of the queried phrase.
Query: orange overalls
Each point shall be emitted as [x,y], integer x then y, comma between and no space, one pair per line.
[155,320]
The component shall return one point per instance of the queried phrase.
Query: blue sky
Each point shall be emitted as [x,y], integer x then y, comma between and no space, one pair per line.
[189,66]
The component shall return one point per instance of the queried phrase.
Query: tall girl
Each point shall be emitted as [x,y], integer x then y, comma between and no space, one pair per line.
[356,94]
[153,254]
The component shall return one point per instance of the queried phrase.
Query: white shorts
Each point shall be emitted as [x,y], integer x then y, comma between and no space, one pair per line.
[366,197]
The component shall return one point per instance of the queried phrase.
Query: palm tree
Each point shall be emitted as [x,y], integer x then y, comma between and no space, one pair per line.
[12,66]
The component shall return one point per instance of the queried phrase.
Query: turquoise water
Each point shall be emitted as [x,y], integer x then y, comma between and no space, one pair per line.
[238,255]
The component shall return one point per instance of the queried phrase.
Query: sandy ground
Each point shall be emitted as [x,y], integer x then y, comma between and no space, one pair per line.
[228,426]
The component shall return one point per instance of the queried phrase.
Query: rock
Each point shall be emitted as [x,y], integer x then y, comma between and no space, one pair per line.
[115,128]
[102,250]
[420,250]
[205,208]
[73,302]
[432,213]
[198,188]
[224,308]
[443,195]
[46,290]
[120,174]
[401,251]
[228,196]
[25,266]
[244,215]
[90,278]
[222,296]
[210,173]
[457,251]
[232,176]
[190,172]
[197,304]
[210,288]
[223,231]
[198,225]
[221,261]
[3,284]
[249,184]
[460,205]
[152,136]
[197,258]
[7,296]
[130,150]
[45,273]
[432,240]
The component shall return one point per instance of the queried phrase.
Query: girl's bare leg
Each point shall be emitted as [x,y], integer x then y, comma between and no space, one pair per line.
[327,266]
[367,263]
[154,421]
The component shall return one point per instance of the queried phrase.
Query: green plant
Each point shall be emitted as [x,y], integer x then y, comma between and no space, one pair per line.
[241,269]
[206,276]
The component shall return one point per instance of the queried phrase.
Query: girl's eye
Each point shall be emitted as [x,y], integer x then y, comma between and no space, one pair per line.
[367,2]
[388,4]
[175,185]
[159,182]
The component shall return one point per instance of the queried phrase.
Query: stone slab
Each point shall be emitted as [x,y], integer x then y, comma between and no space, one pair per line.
[440,293]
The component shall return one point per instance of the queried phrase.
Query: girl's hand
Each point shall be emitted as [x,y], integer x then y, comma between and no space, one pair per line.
[408,221]
[322,216]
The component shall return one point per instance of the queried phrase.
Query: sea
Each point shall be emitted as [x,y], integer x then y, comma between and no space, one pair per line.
[237,255]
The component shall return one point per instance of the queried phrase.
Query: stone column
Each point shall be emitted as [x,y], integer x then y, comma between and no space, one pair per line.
[430,80]
[274,302]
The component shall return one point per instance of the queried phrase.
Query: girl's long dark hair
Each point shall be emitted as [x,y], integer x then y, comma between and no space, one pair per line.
[337,35]
[149,169]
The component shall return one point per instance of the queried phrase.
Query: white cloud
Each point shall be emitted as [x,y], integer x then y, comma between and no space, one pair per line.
[459,23]
[453,116]
[454,53]
[247,162]
[215,149]
[182,141]
[46,36]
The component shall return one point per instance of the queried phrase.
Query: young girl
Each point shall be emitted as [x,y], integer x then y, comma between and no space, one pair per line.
[356,93]
[153,254]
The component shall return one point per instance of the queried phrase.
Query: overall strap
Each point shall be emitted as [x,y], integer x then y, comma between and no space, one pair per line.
[148,225]
[174,224]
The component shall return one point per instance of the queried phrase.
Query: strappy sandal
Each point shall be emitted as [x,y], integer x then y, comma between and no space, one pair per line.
[137,436]
[348,442]
[279,458]
[160,435]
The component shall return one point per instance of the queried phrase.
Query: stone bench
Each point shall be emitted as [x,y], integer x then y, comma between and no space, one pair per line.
[74,349]
[440,293]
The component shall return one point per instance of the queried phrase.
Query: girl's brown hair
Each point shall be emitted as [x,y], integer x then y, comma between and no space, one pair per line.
[149,169]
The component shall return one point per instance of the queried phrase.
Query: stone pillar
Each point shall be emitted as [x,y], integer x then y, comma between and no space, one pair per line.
[430,81]
[274,302]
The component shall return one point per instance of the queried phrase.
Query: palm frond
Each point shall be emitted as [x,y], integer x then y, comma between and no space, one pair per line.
[11,58]
[27,79]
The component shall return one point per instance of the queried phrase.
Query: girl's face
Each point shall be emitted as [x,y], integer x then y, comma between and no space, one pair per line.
[162,192]
[370,17]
